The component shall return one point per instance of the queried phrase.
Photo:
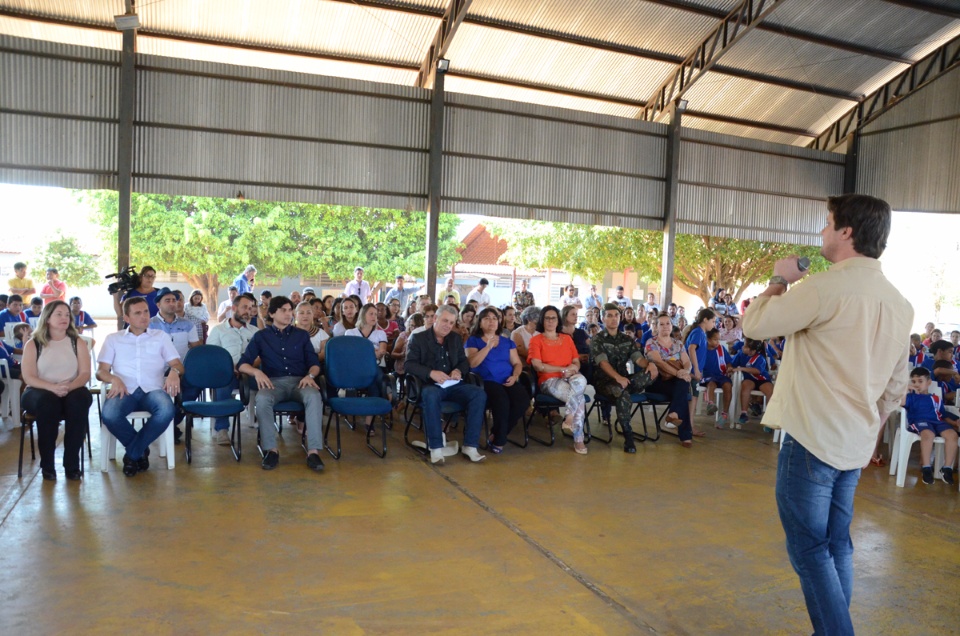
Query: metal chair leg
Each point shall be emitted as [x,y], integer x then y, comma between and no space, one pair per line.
[235,437]
[326,431]
[553,433]
[187,438]
[371,431]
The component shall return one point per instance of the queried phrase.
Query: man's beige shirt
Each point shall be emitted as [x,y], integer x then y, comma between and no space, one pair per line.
[845,361]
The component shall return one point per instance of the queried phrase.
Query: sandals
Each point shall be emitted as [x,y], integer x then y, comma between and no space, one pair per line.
[493,448]
[877,461]
[580,448]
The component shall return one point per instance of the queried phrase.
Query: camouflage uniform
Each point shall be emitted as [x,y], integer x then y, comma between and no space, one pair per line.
[616,350]
[522,300]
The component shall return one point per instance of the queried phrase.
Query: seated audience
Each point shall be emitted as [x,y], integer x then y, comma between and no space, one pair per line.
[529,318]
[385,323]
[730,332]
[928,330]
[716,373]
[568,325]
[367,328]
[296,298]
[393,313]
[56,368]
[262,317]
[21,334]
[592,317]
[3,301]
[628,319]
[494,358]
[81,319]
[673,364]
[303,319]
[556,360]
[927,418]
[508,320]
[349,316]
[34,310]
[288,368]
[436,357]
[233,334]
[399,351]
[751,362]
[13,313]
[620,370]
[429,317]
[467,316]
[133,362]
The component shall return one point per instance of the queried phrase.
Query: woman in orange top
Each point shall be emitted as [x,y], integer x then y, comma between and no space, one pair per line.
[554,356]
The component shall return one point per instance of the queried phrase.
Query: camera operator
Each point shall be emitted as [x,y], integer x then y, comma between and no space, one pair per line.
[145,290]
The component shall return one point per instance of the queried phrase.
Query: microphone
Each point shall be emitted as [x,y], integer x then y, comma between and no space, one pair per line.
[803,263]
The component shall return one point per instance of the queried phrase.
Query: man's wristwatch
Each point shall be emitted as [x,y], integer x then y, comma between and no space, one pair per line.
[778,280]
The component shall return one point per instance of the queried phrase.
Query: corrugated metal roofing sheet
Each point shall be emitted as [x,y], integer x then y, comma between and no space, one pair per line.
[492,52]
[60,33]
[626,22]
[743,131]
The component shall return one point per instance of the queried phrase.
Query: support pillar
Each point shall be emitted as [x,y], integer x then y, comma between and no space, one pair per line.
[434,185]
[128,93]
[671,190]
[850,165]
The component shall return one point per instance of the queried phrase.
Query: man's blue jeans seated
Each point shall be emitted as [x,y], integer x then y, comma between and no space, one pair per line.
[815,502]
[115,412]
[470,397]
[224,393]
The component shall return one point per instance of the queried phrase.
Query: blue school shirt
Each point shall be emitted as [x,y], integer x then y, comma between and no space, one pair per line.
[699,338]
[756,361]
[644,339]
[924,408]
[917,359]
[7,316]
[717,363]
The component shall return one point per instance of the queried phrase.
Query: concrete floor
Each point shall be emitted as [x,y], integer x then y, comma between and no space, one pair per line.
[535,541]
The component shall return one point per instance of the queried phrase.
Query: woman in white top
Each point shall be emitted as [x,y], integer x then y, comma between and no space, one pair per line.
[348,317]
[196,312]
[304,320]
[56,369]
[521,336]
[367,328]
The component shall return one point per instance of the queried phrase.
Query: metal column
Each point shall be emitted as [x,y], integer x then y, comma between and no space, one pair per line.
[128,93]
[434,184]
[670,205]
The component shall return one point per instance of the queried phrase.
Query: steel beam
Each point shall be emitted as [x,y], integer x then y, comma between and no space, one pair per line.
[671,192]
[918,75]
[724,37]
[798,34]
[800,132]
[127,105]
[434,184]
[453,15]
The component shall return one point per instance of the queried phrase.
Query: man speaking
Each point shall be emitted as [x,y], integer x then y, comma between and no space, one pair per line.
[844,370]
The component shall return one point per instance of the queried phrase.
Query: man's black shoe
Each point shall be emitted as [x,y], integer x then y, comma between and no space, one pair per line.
[144,462]
[129,466]
[74,475]
[628,444]
[314,462]
[49,475]
[270,460]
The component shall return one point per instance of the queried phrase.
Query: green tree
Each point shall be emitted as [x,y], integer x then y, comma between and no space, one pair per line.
[207,239]
[592,251]
[76,267]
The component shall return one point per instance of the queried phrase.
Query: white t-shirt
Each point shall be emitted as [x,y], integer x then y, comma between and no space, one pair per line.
[376,336]
[227,306]
[571,300]
[482,298]
[317,340]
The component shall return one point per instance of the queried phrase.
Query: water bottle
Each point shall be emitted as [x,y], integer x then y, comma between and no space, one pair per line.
[629,367]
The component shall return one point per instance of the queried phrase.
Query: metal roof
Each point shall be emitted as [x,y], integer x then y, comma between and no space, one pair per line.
[804,65]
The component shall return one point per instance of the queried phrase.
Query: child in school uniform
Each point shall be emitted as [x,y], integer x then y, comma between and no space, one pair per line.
[716,370]
[918,352]
[753,365]
[945,374]
[927,418]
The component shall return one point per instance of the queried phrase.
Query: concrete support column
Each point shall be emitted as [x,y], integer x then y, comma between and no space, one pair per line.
[671,191]
[434,185]
[128,93]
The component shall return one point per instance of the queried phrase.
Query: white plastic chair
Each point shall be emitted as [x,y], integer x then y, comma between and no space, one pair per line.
[903,441]
[717,399]
[8,333]
[10,400]
[163,446]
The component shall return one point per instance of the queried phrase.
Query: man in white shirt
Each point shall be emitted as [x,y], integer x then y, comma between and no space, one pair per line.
[225,310]
[477,294]
[620,300]
[843,373]
[571,299]
[358,286]
[134,361]
[233,335]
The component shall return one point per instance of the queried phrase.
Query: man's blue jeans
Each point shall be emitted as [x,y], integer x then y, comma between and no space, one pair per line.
[815,502]
[469,396]
[116,410]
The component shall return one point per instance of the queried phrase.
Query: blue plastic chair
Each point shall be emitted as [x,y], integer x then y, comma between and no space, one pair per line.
[211,367]
[352,366]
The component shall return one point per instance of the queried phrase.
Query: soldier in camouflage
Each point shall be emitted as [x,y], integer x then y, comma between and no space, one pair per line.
[611,351]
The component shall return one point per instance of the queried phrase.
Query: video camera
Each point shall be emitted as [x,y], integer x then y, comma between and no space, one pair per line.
[127,280]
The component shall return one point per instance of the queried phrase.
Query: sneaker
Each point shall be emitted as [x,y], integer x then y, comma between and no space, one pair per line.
[724,420]
[755,409]
[314,462]
[223,437]
[436,456]
[270,460]
[742,420]
[928,475]
[628,444]
[712,408]
[946,474]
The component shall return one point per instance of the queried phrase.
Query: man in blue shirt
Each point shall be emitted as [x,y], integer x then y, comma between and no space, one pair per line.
[400,293]
[288,366]
[244,282]
[183,334]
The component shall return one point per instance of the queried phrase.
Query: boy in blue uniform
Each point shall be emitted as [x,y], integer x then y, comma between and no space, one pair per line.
[939,350]
[716,370]
[927,418]
[751,362]
[946,376]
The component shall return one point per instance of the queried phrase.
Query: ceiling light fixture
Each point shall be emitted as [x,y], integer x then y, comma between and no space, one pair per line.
[443,65]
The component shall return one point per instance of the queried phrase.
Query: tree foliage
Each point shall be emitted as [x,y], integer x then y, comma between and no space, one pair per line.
[76,267]
[210,240]
[592,251]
